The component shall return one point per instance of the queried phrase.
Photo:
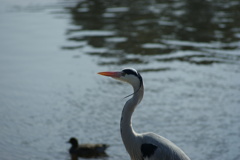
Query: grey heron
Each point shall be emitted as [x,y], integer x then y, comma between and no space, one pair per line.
[146,146]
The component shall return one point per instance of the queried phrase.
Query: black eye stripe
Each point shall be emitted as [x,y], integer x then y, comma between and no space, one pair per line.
[133,72]
[130,71]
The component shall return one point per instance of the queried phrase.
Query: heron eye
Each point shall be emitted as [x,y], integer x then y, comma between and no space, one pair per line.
[123,74]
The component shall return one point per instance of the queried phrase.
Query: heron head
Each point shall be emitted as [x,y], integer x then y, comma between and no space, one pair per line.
[128,75]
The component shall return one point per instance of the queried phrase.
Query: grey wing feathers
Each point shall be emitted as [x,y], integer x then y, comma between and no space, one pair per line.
[166,150]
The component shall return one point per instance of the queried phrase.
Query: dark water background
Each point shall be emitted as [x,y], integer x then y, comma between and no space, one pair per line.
[188,52]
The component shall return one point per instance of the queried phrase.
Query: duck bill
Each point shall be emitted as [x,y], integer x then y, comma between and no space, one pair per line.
[111,74]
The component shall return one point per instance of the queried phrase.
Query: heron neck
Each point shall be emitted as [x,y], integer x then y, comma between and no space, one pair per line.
[127,132]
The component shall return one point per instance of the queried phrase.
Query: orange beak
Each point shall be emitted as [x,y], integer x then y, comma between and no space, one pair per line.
[111,74]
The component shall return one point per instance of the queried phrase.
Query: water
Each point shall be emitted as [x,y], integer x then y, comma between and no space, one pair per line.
[188,53]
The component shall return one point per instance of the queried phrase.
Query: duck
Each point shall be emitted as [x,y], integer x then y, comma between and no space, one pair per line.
[86,150]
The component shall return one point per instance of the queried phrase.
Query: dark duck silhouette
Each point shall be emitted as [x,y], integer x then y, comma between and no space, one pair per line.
[86,150]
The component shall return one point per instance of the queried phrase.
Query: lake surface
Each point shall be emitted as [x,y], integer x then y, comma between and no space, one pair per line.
[188,53]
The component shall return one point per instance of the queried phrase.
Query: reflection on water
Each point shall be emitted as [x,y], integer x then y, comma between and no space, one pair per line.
[188,52]
[200,32]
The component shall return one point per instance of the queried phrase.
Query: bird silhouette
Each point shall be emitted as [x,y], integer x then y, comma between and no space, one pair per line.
[86,150]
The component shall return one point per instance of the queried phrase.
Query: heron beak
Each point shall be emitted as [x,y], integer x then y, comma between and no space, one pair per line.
[111,74]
